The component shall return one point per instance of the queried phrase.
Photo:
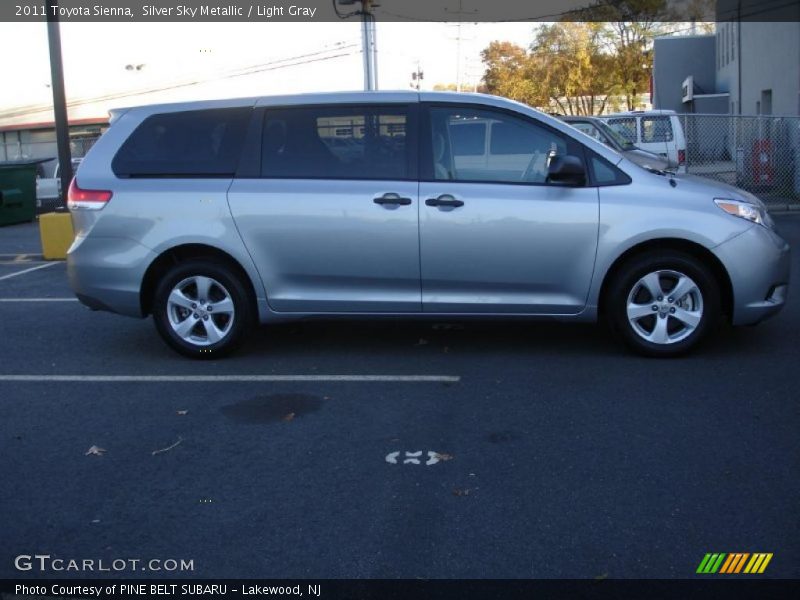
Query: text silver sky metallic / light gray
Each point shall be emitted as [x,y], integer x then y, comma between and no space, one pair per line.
[213,216]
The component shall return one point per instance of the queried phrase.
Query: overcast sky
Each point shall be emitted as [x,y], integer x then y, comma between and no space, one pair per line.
[95,55]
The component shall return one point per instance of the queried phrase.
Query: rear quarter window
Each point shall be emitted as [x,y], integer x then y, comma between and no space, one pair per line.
[656,129]
[202,143]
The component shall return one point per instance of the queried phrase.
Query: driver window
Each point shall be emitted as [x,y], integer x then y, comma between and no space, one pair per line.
[488,146]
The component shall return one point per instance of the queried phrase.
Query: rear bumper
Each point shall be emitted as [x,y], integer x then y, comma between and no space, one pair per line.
[758,263]
[107,273]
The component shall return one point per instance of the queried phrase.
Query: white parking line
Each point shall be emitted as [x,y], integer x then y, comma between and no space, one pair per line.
[27,271]
[38,299]
[230,378]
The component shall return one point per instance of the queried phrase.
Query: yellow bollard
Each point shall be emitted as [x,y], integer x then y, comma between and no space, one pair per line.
[56,232]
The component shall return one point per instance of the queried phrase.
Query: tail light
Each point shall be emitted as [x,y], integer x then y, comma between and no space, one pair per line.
[78,198]
[681,157]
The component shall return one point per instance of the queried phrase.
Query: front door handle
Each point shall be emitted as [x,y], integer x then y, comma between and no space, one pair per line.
[392,199]
[444,200]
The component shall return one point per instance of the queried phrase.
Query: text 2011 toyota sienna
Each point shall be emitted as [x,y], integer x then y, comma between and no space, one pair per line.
[212,216]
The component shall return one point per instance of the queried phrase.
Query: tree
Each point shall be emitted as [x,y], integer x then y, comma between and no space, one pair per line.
[569,61]
[509,73]
[629,31]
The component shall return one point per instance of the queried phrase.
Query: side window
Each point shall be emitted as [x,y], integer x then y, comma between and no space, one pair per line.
[346,142]
[518,151]
[656,129]
[626,127]
[199,143]
[469,139]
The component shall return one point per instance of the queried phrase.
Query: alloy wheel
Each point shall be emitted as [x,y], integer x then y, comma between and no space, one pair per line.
[200,310]
[664,307]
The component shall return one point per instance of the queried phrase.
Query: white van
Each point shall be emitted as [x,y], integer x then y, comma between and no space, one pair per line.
[657,131]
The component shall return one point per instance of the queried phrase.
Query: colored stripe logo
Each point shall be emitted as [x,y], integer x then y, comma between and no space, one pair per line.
[733,563]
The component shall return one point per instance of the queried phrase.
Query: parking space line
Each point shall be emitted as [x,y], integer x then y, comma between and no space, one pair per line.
[38,299]
[27,271]
[231,378]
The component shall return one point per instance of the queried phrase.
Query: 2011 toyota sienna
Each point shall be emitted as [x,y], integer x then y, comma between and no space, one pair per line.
[212,216]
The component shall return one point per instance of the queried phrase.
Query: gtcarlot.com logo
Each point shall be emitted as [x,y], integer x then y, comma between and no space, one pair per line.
[46,562]
[734,562]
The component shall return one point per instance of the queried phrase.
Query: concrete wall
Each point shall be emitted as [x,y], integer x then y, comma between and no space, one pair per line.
[766,55]
[674,59]
[770,61]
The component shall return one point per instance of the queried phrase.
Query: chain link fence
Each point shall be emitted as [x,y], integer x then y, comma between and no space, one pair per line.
[760,154]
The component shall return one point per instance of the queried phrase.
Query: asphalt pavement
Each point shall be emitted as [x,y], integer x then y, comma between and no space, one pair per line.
[553,451]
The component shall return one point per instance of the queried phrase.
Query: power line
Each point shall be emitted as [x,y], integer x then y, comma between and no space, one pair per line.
[299,60]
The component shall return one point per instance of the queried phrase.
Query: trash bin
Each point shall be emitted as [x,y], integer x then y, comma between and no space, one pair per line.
[18,191]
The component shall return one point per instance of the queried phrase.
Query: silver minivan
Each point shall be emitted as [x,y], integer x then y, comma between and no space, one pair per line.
[214,216]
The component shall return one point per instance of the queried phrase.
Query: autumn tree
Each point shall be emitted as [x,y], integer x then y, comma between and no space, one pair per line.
[509,73]
[568,60]
[629,29]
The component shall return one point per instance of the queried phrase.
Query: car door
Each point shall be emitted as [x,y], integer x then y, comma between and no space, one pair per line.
[495,236]
[332,219]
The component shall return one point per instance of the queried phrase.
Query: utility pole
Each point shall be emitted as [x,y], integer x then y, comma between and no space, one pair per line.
[59,100]
[460,16]
[369,42]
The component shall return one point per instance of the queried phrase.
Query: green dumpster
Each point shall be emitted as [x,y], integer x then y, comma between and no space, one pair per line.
[17,191]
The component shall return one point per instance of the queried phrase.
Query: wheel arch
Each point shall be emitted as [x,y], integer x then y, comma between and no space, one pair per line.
[177,254]
[693,249]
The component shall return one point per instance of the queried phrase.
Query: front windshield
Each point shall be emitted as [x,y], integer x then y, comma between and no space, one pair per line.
[620,139]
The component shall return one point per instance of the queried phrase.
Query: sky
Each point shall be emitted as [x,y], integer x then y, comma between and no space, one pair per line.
[95,56]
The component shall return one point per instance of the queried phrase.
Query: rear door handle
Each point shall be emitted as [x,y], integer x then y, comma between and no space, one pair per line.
[444,200]
[392,199]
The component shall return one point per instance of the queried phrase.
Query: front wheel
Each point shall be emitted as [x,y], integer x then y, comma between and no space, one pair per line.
[201,309]
[663,303]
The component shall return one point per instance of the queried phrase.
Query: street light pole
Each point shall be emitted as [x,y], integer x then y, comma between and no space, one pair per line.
[59,100]
[369,43]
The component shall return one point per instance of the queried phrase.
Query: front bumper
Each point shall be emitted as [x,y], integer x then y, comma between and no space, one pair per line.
[106,273]
[758,263]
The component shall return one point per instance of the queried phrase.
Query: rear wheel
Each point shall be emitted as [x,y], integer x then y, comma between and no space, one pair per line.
[663,303]
[201,309]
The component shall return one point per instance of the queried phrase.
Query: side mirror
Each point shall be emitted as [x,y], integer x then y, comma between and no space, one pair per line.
[568,170]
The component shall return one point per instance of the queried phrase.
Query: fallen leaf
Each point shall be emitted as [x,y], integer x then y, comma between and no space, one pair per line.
[96,450]
[443,456]
[464,492]
[168,448]
[288,417]
[182,412]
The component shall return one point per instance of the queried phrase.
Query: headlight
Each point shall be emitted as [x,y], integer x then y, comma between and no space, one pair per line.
[745,210]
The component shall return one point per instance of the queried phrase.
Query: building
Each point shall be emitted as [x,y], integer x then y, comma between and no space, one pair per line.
[749,66]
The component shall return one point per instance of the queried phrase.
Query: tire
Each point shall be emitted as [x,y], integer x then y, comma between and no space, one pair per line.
[669,326]
[181,314]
